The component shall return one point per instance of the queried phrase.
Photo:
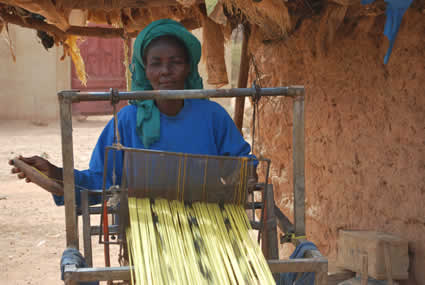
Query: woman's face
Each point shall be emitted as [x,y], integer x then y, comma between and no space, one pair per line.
[166,66]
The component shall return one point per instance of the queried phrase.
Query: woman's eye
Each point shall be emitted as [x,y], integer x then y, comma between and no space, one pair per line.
[178,62]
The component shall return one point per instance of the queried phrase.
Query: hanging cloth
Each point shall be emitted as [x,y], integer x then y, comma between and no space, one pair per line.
[395,11]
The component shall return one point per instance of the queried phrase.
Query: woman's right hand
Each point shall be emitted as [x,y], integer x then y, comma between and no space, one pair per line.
[42,165]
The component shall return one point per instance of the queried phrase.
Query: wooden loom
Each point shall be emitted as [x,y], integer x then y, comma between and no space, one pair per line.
[271,216]
[314,261]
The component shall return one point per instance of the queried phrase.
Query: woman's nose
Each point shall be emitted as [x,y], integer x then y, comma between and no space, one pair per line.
[165,68]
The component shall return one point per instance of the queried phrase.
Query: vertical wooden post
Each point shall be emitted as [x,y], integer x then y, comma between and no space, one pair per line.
[242,79]
[68,171]
[269,237]
[271,250]
[86,228]
[298,160]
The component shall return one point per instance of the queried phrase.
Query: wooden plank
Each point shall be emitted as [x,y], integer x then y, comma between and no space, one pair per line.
[299,265]
[351,244]
[86,228]
[96,274]
[298,161]
[242,80]
[68,172]
[36,177]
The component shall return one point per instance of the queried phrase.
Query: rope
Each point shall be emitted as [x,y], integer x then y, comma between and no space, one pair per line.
[255,99]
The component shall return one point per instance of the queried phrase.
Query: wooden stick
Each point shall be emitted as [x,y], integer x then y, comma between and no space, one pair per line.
[242,80]
[37,24]
[37,178]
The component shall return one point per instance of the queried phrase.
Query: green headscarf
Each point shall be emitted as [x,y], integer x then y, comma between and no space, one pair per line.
[148,115]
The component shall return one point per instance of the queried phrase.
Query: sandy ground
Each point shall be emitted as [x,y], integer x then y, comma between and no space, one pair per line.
[32,227]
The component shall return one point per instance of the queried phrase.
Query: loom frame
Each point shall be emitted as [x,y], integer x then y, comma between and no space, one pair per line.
[317,263]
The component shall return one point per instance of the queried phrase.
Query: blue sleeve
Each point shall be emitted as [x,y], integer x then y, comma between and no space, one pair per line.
[92,178]
[229,139]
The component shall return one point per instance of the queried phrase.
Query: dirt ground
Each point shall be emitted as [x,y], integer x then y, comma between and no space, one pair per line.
[32,226]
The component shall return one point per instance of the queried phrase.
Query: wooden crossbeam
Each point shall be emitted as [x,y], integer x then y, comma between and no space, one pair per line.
[71,272]
[100,32]
[120,4]
[299,265]
[37,24]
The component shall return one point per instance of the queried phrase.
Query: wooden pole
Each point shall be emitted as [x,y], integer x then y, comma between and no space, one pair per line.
[37,24]
[68,172]
[88,256]
[290,91]
[242,79]
[298,161]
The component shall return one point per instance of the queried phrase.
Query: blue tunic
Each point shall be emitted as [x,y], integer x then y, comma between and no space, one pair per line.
[201,127]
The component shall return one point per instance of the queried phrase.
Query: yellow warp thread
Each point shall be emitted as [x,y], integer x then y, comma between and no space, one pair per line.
[203,243]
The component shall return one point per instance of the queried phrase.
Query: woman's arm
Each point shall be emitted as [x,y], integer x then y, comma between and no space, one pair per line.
[91,178]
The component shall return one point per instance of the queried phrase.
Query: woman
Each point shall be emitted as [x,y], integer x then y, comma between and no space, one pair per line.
[166,57]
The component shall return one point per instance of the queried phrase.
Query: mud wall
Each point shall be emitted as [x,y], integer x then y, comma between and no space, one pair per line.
[365,129]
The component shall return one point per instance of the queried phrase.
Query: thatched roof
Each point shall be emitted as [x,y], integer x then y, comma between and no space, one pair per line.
[275,18]
[269,20]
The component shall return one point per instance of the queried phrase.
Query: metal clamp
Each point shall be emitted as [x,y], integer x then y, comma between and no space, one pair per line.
[115,96]
[257,95]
